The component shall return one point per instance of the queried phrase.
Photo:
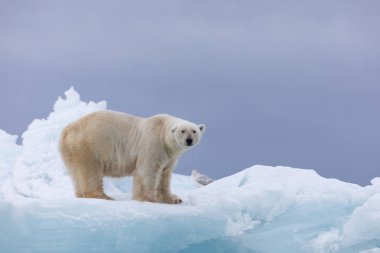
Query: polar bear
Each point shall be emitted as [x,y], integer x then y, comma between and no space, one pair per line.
[115,144]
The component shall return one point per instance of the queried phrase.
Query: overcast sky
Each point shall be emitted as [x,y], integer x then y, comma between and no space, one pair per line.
[293,83]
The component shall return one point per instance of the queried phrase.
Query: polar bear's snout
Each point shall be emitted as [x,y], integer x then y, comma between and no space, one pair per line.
[189,141]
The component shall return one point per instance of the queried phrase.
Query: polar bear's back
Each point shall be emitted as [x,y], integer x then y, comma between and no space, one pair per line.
[105,137]
[104,126]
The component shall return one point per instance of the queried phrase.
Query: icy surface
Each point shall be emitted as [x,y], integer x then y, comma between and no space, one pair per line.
[9,151]
[260,209]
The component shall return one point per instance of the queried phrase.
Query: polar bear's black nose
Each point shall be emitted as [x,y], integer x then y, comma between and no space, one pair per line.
[189,141]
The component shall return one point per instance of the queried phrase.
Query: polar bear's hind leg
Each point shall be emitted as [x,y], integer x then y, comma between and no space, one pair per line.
[89,184]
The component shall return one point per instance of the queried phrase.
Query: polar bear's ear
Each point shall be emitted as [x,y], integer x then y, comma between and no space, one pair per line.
[202,127]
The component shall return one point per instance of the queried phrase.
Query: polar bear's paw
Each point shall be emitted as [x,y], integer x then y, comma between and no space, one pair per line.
[171,199]
[175,199]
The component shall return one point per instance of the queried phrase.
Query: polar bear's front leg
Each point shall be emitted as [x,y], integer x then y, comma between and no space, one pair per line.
[144,185]
[164,194]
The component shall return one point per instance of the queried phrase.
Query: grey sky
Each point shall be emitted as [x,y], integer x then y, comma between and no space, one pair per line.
[291,83]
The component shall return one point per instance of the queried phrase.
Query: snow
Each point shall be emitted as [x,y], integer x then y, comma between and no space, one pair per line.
[259,209]
[9,150]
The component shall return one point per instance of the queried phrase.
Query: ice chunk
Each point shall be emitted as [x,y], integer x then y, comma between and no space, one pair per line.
[374,250]
[364,223]
[259,209]
[38,171]
[240,223]
[9,151]
[327,241]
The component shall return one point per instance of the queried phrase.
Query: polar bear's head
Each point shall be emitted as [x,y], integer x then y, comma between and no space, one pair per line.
[187,135]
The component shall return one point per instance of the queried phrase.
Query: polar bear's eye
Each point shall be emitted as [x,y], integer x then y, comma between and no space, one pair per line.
[193,131]
[183,131]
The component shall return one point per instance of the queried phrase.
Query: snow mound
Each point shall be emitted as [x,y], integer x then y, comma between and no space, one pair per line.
[9,151]
[259,209]
[38,171]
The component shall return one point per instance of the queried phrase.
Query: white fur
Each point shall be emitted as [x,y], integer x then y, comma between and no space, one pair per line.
[115,144]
